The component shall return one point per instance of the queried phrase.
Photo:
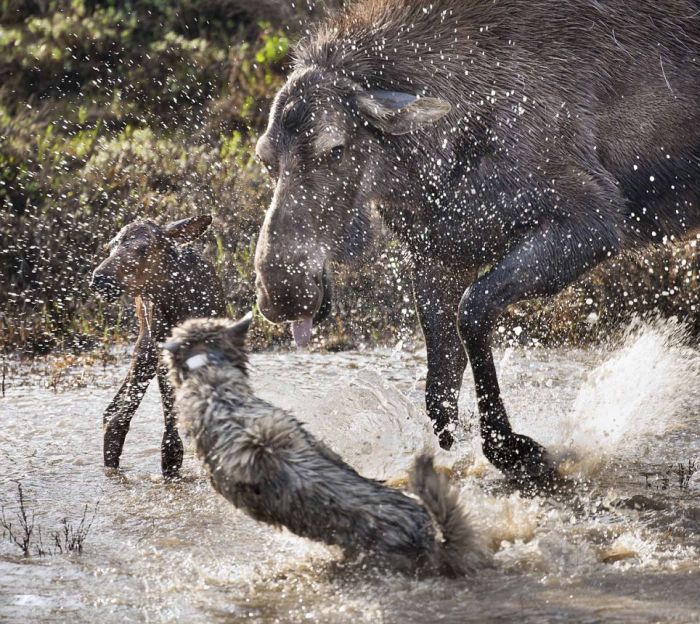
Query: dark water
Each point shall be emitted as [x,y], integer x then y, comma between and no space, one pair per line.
[624,549]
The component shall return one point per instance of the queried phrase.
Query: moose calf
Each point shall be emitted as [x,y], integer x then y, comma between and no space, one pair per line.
[169,284]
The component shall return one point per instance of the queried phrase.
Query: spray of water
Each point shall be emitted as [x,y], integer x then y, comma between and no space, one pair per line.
[376,428]
[643,390]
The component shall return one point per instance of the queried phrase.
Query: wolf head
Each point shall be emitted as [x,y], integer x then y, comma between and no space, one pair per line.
[206,342]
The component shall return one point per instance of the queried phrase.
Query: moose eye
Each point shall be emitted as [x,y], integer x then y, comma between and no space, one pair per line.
[337,152]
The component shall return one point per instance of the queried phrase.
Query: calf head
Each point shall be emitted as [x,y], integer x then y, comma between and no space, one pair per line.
[143,257]
[328,147]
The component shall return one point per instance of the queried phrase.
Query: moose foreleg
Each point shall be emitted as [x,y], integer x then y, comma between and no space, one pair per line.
[171,450]
[117,416]
[437,291]
[541,264]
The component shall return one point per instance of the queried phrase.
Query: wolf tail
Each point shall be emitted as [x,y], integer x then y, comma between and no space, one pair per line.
[460,551]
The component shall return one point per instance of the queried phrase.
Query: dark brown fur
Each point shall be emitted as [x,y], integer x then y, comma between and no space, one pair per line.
[548,137]
[169,284]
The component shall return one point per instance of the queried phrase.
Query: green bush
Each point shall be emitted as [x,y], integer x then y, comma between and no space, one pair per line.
[115,109]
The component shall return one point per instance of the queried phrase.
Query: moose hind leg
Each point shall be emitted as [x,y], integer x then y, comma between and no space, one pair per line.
[171,450]
[541,264]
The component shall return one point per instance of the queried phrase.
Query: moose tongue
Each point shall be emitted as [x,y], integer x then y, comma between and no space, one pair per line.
[301,330]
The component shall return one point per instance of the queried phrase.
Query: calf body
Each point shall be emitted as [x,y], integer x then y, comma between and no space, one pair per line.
[170,284]
[539,138]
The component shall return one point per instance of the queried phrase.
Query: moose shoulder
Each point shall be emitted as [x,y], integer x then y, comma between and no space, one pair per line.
[540,137]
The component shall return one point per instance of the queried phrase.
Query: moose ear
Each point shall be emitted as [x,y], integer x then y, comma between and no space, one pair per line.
[395,112]
[240,328]
[187,230]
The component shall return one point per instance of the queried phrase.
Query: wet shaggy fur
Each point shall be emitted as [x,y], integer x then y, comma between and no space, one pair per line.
[266,463]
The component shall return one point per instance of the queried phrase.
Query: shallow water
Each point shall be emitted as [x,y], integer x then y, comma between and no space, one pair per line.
[625,548]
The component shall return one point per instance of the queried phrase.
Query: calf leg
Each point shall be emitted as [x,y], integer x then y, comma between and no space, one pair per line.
[171,450]
[117,416]
[542,264]
[437,291]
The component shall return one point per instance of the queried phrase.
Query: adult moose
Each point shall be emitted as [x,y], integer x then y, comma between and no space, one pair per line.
[538,137]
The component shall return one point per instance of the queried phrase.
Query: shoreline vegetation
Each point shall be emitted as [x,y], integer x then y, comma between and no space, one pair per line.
[114,110]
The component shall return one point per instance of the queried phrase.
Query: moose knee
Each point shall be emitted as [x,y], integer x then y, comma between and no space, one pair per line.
[475,311]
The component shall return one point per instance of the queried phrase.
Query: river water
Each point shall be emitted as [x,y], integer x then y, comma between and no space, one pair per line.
[624,548]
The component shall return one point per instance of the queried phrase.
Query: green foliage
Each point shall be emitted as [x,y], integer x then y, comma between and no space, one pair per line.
[112,110]
[275,47]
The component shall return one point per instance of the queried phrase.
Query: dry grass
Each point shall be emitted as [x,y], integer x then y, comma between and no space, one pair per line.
[27,535]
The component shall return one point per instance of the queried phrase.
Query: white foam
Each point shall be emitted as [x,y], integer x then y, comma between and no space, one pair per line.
[643,390]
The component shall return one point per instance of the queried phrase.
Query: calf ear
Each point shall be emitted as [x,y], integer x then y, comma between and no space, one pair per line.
[395,112]
[187,230]
[240,328]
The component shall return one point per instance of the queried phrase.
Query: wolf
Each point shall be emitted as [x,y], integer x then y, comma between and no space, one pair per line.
[264,461]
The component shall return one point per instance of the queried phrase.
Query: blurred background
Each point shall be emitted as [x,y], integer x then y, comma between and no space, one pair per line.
[113,110]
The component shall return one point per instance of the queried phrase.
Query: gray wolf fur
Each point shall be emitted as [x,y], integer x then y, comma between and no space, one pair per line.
[266,463]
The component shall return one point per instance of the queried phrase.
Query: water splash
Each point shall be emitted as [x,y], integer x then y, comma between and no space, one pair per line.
[375,427]
[180,552]
[641,391]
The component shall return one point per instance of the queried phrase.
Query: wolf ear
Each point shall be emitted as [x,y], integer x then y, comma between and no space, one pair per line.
[187,230]
[171,345]
[397,113]
[240,328]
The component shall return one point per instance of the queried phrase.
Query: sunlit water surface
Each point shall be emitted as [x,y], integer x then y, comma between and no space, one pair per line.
[625,548]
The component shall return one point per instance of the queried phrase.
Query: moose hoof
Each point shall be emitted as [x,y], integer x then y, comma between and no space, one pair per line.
[171,473]
[171,468]
[111,461]
[445,439]
[522,460]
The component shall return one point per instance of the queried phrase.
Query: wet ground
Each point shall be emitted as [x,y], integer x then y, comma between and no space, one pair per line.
[624,548]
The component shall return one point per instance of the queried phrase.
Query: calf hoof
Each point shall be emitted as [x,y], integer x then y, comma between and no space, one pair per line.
[171,456]
[525,462]
[171,473]
[111,460]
